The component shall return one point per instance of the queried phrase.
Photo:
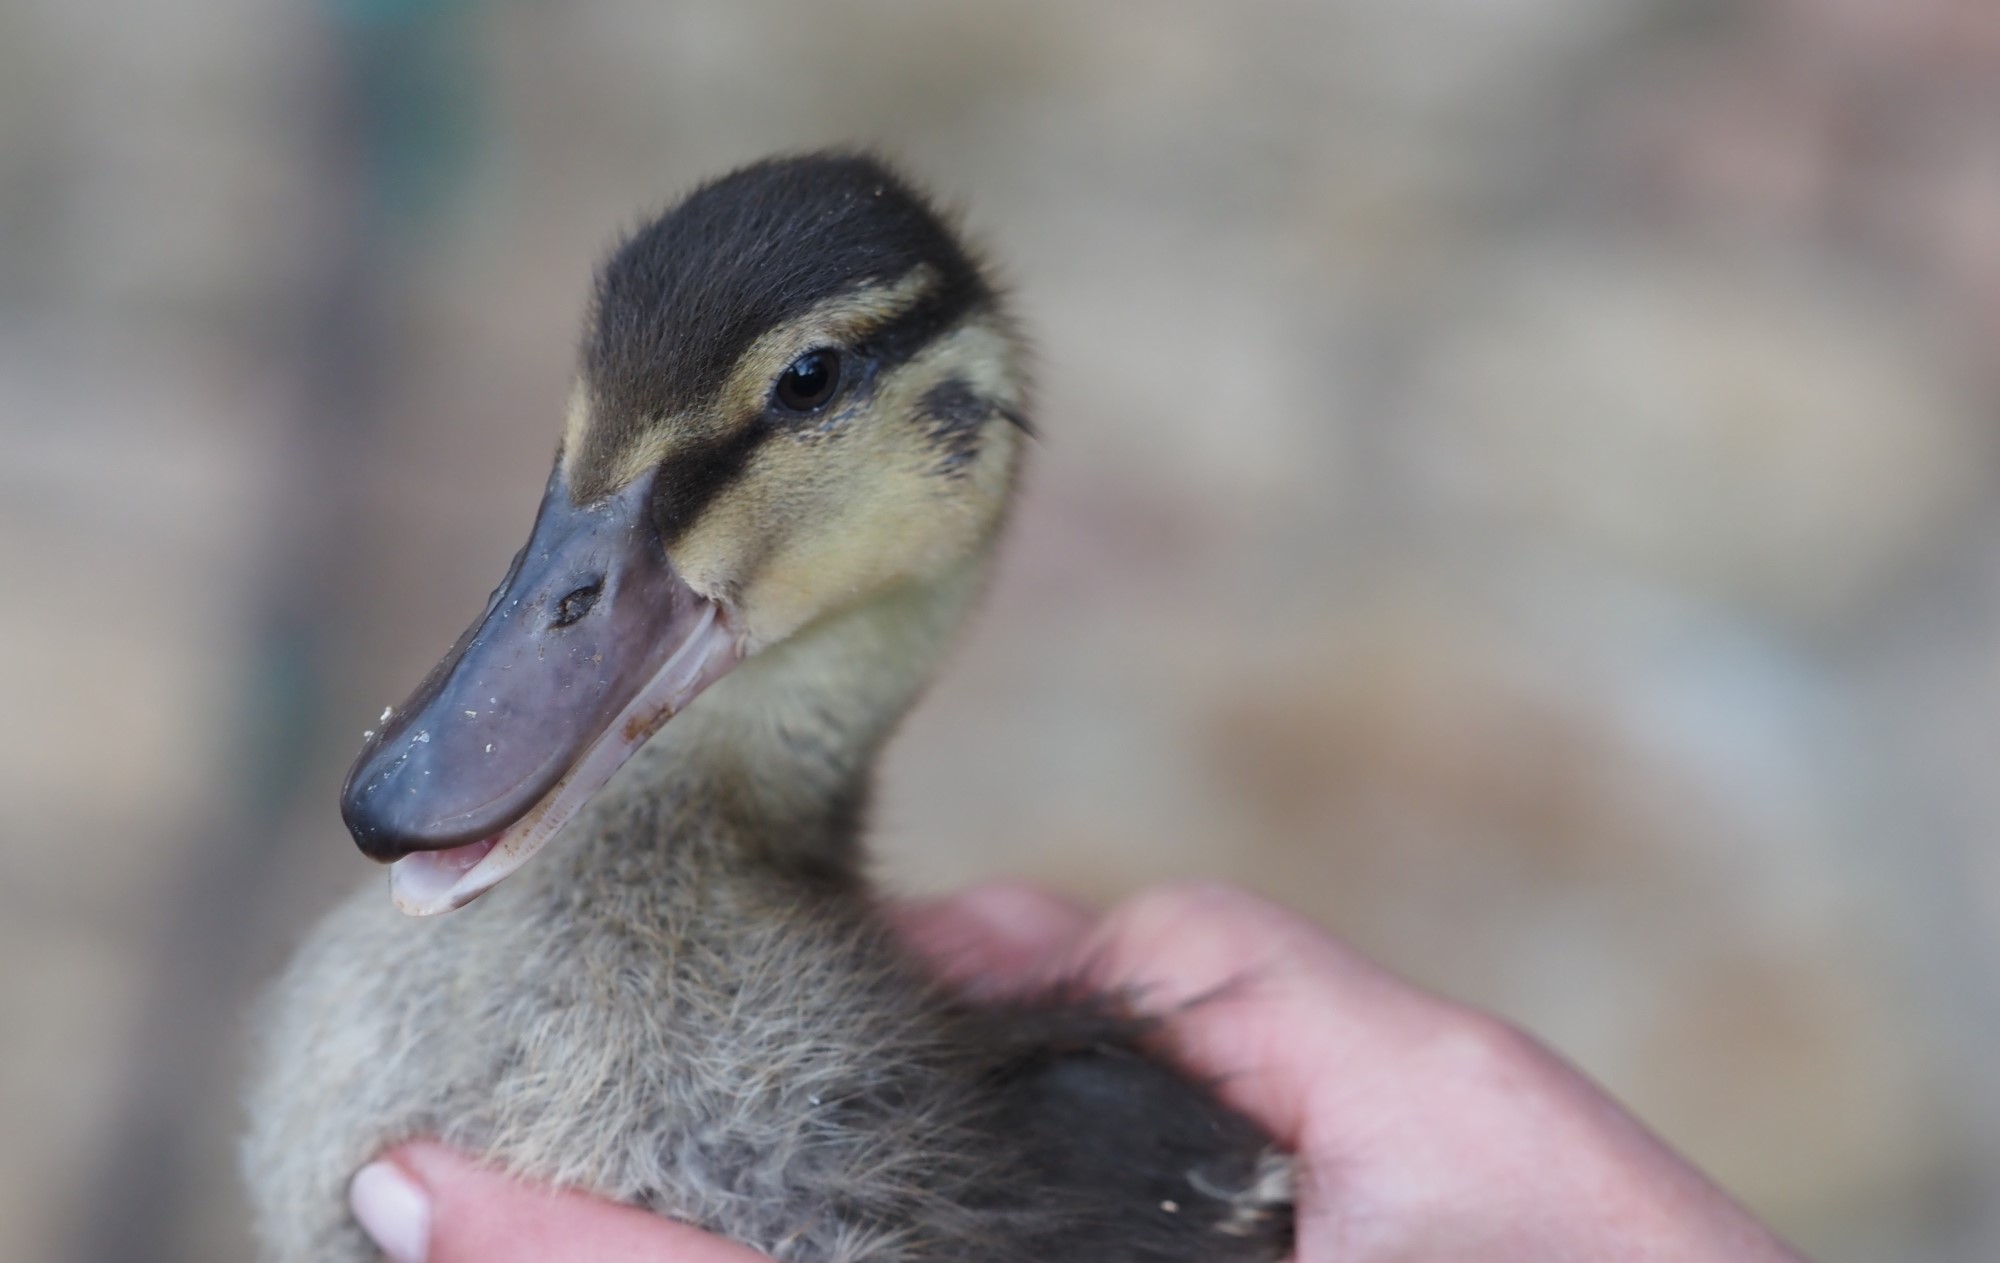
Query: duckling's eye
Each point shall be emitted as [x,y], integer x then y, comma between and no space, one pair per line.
[576,604]
[809,382]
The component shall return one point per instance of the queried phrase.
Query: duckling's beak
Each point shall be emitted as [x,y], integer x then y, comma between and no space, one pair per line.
[589,645]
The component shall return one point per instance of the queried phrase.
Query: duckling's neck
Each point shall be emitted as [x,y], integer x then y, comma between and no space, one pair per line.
[775,760]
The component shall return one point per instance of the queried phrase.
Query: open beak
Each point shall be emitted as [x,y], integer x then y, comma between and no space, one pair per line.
[589,645]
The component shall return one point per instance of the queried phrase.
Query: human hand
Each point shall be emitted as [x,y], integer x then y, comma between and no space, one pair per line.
[1425,1130]
[425,1203]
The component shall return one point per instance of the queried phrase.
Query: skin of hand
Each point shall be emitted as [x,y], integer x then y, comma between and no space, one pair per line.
[1425,1130]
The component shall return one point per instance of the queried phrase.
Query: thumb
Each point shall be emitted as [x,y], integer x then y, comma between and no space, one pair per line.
[425,1203]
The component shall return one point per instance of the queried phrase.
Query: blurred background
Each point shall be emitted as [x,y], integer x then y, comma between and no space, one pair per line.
[1518,481]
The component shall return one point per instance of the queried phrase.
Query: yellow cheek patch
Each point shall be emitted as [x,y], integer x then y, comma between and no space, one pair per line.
[873,509]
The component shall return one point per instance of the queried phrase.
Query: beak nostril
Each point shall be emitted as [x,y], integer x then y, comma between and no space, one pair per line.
[578,603]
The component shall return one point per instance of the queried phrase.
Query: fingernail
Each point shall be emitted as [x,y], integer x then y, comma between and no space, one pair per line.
[394,1211]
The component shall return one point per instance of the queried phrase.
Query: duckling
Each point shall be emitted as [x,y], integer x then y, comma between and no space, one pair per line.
[799,414]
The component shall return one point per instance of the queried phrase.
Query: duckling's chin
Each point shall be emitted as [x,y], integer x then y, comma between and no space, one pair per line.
[426,883]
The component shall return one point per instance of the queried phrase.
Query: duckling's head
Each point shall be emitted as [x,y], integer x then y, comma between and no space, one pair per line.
[799,396]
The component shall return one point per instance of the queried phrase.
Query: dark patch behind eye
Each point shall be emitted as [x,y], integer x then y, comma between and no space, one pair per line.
[953,414]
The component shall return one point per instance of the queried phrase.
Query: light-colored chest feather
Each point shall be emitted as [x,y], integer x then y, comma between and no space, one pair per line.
[629,1017]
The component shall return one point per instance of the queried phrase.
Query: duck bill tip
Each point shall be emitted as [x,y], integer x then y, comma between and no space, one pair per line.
[428,883]
[590,644]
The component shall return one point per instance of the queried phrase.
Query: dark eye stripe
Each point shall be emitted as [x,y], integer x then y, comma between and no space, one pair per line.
[903,335]
[693,476]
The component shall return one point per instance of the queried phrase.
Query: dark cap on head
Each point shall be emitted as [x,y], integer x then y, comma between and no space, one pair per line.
[681,299]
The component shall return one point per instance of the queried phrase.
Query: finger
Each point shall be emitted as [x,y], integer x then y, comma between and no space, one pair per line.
[425,1203]
[1003,935]
[1278,1012]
